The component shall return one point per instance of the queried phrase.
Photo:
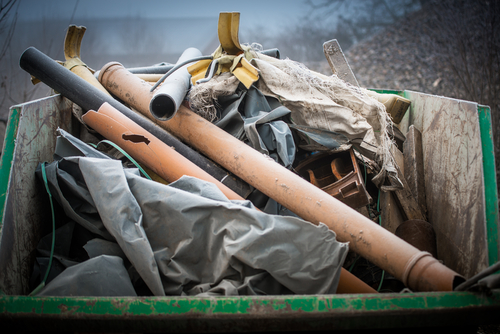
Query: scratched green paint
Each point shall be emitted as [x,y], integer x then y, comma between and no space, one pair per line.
[490,183]
[279,305]
[119,306]
[389,91]
[306,304]
[231,306]
[7,156]
[327,304]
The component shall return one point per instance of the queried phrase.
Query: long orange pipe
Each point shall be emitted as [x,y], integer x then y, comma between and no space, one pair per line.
[170,165]
[417,270]
[147,149]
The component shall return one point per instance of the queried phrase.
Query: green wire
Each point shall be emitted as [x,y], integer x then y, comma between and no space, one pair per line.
[42,284]
[352,265]
[44,176]
[125,154]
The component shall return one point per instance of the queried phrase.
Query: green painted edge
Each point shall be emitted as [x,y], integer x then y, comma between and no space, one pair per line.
[388,91]
[265,306]
[490,183]
[7,156]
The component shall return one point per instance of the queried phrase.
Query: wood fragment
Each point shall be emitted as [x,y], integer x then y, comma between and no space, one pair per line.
[414,165]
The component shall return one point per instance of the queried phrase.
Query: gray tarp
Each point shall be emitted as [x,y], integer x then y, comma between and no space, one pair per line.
[187,238]
[256,119]
[101,276]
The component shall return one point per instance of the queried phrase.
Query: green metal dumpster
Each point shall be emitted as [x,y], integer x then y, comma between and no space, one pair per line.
[462,205]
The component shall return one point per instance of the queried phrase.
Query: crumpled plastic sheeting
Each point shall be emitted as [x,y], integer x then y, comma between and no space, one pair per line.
[319,102]
[251,117]
[313,139]
[101,276]
[189,239]
[67,251]
[259,121]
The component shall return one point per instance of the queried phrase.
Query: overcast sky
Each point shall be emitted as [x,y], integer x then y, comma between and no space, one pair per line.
[271,13]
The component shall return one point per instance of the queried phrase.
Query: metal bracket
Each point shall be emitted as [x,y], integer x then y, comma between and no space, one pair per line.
[232,55]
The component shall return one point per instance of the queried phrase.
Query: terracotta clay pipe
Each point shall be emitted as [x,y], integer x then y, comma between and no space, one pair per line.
[170,165]
[417,270]
[147,149]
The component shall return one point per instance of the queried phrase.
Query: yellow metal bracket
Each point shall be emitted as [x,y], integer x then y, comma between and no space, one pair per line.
[228,28]
[230,55]
[72,44]
[198,70]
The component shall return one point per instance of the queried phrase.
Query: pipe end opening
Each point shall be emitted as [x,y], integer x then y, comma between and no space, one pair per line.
[162,107]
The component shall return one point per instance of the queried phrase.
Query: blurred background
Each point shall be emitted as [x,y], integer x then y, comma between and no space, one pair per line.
[445,47]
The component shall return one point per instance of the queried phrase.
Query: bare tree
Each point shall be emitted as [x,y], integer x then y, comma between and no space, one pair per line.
[466,37]
[347,21]
[360,19]
[8,20]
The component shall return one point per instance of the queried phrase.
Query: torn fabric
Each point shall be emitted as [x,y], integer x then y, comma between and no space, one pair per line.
[328,103]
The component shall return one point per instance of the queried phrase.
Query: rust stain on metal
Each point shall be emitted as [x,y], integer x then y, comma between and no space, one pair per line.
[68,309]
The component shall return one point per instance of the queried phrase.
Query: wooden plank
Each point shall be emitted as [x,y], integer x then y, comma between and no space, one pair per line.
[406,200]
[391,215]
[338,63]
[414,166]
[453,172]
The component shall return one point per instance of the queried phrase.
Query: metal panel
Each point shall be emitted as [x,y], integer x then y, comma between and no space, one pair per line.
[455,189]
[250,314]
[490,181]
[7,156]
[25,204]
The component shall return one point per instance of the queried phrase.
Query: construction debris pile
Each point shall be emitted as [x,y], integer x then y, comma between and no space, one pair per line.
[236,173]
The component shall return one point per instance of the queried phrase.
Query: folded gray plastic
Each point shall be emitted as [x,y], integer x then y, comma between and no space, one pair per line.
[100,276]
[187,238]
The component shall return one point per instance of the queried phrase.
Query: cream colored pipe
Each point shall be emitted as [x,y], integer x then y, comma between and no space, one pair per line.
[417,270]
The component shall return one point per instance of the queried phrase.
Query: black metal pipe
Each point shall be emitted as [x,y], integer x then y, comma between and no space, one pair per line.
[89,97]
